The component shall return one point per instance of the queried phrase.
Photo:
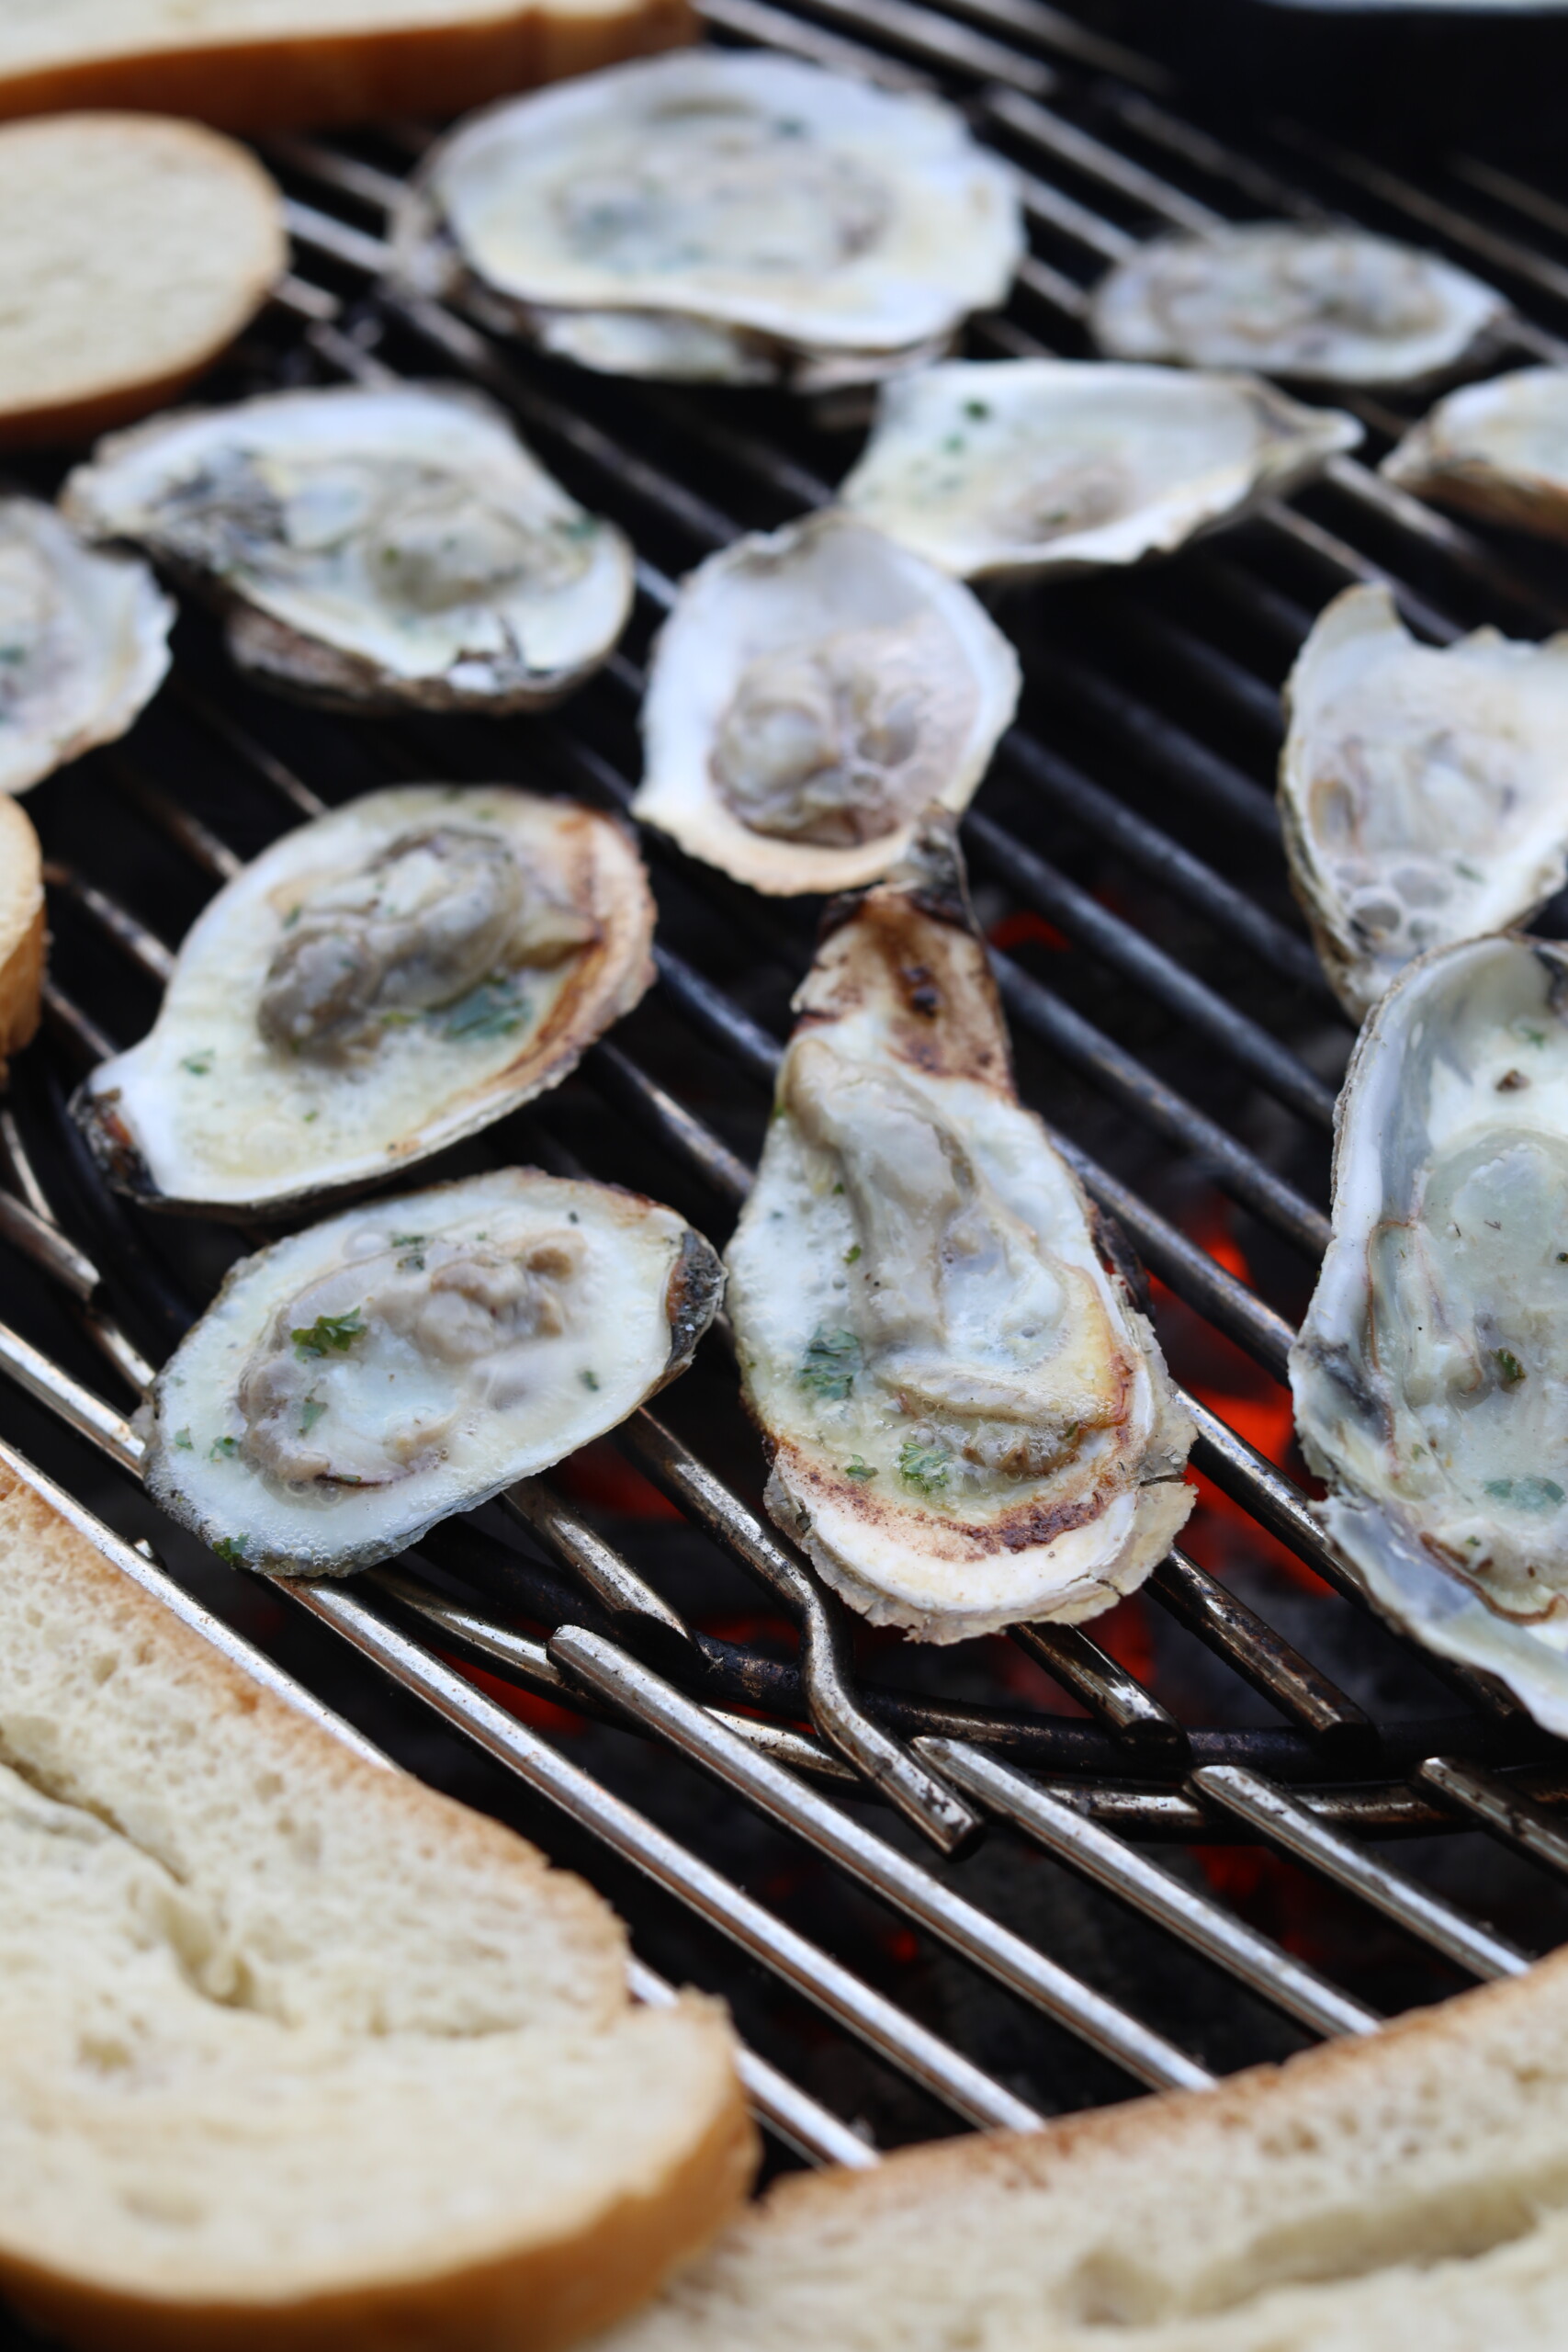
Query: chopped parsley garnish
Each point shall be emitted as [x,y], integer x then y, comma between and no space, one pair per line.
[855,1468]
[852,1254]
[200,1065]
[233,1549]
[492,1009]
[831,1361]
[406,1240]
[589,1379]
[310,1412]
[1526,1494]
[328,1335]
[412,1265]
[1531,1036]
[183,1440]
[223,1449]
[1469,872]
[954,445]
[308,1115]
[292,917]
[924,1467]
[1508,1366]
[976,408]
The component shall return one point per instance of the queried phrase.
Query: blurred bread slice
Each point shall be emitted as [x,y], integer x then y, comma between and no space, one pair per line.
[134,251]
[22,936]
[267,64]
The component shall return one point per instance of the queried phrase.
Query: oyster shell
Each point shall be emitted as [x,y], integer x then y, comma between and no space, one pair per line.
[1499,449]
[83,643]
[1430,1376]
[1029,466]
[1328,306]
[357,1382]
[1423,792]
[970,1423]
[717,214]
[814,689]
[375,549]
[377,985]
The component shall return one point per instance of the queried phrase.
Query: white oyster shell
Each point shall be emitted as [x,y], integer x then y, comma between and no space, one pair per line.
[1329,306]
[1430,1376]
[1424,791]
[357,1382]
[377,985]
[813,691]
[771,214]
[1499,449]
[970,1423]
[1022,466]
[374,547]
[83,643]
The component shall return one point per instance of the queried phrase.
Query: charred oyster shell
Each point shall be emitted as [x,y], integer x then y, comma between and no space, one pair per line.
[1498,449]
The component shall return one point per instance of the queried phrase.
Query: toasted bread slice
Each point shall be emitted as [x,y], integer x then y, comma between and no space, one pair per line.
[267,64]
[295,2055]
[22,935]
[135,250]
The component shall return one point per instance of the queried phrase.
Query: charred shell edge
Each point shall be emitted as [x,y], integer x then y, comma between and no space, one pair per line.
[693,1298]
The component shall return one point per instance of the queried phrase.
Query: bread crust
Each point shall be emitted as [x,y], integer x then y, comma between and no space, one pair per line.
[355,77]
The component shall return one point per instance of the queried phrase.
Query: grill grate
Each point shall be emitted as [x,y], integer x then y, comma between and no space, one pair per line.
[1171,1024]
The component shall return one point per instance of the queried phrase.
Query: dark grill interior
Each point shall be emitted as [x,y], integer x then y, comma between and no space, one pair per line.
[1191,1808]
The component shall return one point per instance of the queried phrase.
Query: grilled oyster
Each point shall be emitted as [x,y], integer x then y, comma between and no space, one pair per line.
[374,549]
[1499,449]
[970,1423]
[1019,467]
[1328,306]
[1423,792]
[377,985]
[83,643]
[717,214]
[812,691]
[357,1382]
[1430,1373]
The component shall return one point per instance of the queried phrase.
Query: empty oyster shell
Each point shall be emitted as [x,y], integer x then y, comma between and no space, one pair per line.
[1430,1374]
[1423,792]
[1328,306]
[814,689]
[1499,449]
[357,1382]
[970,1423]
[723,214]
[1029,466]
[83,643]
[377,985]
[375,549]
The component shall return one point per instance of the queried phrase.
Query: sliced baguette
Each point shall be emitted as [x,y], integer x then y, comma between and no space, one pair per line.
[296,2054]
[267,64]
[22,933]
[1408,2190]
[135,250]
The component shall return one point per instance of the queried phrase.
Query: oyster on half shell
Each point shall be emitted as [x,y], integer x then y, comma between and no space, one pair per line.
[377,985]
[725,215]
[1499,449]
[1026,467]
[1424,791]
[1430,1376]
[1323,305]
[372,548]
[969,1420]
[813,691]
[357,1382]
[83,643]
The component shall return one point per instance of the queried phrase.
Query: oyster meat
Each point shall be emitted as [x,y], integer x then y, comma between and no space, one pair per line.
[1498,449]
[1430,1376]
[83,643]
[372,548]
[970,1423]
[357,1382]
[1019,466]
[1423,792]
[377,985]
[1328,306]
[814,689]
[725,215]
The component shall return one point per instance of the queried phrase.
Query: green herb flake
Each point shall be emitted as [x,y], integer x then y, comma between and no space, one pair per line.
[1531,1036]
[492,1009]
[406,1240]
[183,1440]
[1511,1370]
[954,445]
[292,917]
[855,1468]
[223,1449]
[309,1116]
[328,1335]
[310,1412]
[924,1467]
[852,1255]
[200,1065]
[590,1380]
[1526,1494]
[977,409]
[1473,1541]
[831,1361]
[1469,872]
[838,1190]
[233,1549]
[412,1265]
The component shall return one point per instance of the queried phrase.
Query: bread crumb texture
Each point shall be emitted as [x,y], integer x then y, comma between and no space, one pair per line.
[293,2048]
[1408,2191]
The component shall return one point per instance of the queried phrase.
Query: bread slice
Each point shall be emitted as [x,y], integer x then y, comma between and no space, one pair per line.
[134,251]
[294,2053]
[22,936]
[267,64]
[1408,2191]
